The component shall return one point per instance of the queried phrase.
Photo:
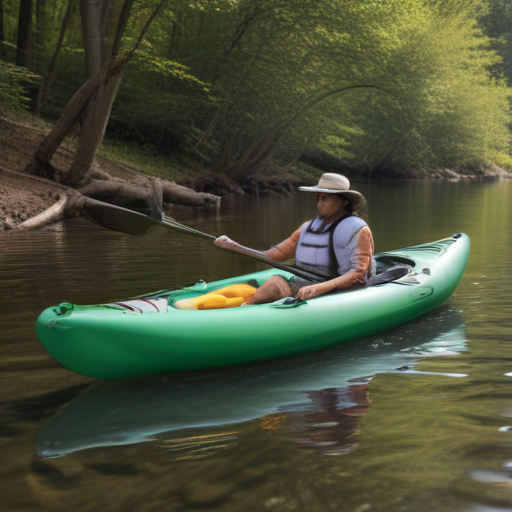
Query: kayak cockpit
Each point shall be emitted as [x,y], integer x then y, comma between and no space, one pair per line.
[386,261]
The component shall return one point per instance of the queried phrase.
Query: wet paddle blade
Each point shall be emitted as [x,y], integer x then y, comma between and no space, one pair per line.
[117,218]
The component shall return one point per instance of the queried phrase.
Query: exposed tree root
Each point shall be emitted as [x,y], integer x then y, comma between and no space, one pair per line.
[70,203]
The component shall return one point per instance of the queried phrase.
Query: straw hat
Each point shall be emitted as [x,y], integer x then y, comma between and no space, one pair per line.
[332,183]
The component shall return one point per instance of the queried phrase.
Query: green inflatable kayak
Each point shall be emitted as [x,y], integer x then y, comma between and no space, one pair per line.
[152,336]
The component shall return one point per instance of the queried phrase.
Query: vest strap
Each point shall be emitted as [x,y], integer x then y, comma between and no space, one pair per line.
[333,263]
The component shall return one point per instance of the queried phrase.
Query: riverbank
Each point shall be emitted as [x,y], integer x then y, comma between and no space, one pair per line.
[23,196]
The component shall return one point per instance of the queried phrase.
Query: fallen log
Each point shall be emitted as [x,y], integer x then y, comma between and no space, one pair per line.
[70,201]
[171,192]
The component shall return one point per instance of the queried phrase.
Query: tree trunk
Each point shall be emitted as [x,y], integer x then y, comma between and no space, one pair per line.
[105,29]
[254,159]
[175,40]
[24,33]
[97,95]
[98,111]
[2,29]
[40,34]
[101,33]
[45,86]
[124,15]
[40,164]
[90,14]
[156,199]
[95,125]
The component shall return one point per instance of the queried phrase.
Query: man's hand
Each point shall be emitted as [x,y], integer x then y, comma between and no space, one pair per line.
[224,242]
[312,291]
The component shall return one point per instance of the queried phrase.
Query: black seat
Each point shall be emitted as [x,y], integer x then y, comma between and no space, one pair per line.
[391,274]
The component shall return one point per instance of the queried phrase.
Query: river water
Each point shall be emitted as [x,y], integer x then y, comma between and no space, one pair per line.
[418,418]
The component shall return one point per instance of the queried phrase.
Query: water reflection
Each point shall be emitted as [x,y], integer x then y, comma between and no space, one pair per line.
[417,445]
[315,401]
[331,428]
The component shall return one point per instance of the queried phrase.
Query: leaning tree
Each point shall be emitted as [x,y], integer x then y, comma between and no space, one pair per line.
[103,25]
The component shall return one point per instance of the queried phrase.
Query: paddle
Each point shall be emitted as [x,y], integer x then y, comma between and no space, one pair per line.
[131,222]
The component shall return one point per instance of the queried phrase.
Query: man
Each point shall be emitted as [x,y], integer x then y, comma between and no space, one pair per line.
[338,243]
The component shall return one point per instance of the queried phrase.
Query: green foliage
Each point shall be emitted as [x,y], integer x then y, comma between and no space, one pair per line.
[435,106]
[497,24]
[156,103]
[445,110]
[252,84]
[141,158]
[14,84]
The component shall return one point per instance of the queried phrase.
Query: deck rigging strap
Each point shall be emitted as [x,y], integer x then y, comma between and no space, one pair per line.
[158,305]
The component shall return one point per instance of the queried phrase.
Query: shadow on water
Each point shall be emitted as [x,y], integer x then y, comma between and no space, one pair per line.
[328,389]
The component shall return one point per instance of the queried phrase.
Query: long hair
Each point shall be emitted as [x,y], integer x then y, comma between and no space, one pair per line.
[361,212]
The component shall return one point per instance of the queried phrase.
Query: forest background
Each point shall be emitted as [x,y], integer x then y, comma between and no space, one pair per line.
[253,89]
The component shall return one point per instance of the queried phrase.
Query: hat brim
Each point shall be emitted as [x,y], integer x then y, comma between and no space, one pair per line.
[326,190]
[358,199]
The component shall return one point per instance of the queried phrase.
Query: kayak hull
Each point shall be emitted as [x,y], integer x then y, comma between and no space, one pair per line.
[105,342]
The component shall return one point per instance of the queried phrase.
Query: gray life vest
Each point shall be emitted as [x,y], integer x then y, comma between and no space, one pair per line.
[329,249]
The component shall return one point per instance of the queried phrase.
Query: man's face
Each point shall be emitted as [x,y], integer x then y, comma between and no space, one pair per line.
[329,205]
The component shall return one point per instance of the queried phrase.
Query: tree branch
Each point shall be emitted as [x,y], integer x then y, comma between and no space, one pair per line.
[146,26]
[121,26]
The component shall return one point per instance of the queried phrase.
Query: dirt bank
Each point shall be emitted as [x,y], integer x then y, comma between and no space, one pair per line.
[22,195]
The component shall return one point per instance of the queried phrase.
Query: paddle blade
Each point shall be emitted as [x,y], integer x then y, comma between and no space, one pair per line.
[117,218]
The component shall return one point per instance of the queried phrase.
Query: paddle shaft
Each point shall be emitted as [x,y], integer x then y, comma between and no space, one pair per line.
[131,222]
